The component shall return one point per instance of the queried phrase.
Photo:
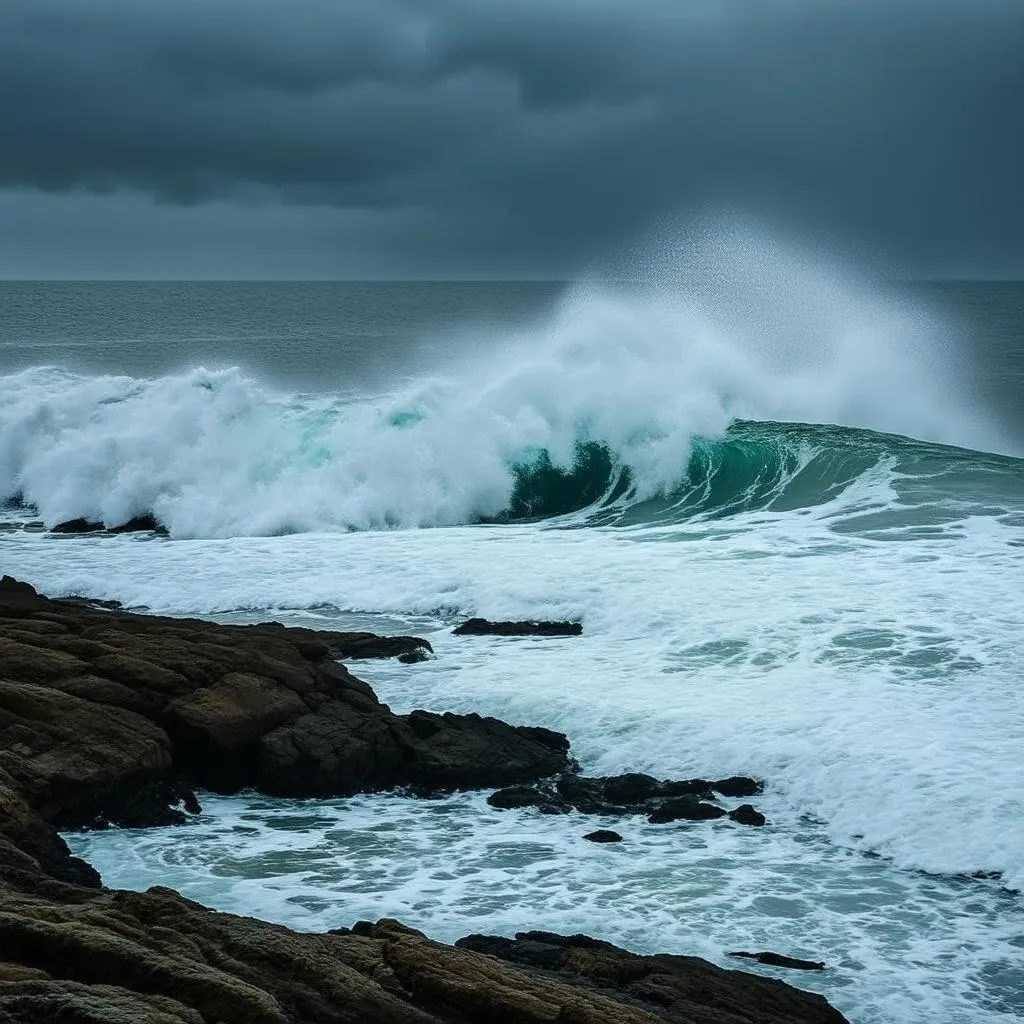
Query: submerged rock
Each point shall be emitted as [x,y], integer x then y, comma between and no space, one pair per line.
[482,627]
[603,835]
[147,523]
[661,800]
[778,960]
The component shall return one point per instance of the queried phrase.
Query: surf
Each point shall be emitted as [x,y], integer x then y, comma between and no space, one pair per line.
[722,392]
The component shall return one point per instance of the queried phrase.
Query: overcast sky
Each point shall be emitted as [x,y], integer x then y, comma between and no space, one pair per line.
[440,138]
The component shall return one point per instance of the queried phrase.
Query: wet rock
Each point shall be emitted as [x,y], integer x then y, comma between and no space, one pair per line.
[778,960]
[350,646]
[147,523]
[661,800]
[745,814]
[516,796]
[483,627]
[77,526]
[413,657]
[93,602]
[736,785]
[685,809]
[603,835]
[139,524]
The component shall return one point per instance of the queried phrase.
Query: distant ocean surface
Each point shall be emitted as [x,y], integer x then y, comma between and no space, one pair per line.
[789,511]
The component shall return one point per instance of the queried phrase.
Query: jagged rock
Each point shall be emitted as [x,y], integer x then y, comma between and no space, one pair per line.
[745,814]
[661,800]
[108,716]
[483,627]
[685,808]
[778,960]
[147,523]
[603,835]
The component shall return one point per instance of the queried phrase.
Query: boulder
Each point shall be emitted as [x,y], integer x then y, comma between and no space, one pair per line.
[737,785]
[746,815]
[685,808]
[603,835]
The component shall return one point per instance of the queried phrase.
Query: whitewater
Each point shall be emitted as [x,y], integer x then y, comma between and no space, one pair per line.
[795,541]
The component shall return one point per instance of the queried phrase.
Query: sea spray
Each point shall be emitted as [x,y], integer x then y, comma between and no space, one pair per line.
[642,378]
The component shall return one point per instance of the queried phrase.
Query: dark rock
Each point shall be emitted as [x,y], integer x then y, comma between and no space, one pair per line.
[603,835]
[413,657]
[617,795]
[516,796]
[482,627]
[77,526]
[778,960]
[93,602]
[147,523]
[139,524]
[745,814]
[737,785]
[350,646]
[632,788]
[685,808]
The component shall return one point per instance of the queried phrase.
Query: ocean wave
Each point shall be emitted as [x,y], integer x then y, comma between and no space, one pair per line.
[649,400]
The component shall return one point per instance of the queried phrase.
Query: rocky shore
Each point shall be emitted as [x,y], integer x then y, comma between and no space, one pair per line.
[108,717]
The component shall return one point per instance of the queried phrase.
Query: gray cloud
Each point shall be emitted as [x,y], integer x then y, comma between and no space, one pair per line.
[531,133]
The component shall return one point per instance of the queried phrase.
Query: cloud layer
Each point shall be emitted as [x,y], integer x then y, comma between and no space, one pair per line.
[528,135]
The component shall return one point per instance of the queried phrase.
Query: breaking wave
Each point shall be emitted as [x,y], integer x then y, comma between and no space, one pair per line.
[648,402]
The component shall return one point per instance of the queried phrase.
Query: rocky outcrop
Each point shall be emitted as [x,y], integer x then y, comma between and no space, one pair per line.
[482,627]
[661,800]
[106,716]
[109,717]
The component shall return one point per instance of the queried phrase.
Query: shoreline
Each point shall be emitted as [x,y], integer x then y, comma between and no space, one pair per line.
[110,717]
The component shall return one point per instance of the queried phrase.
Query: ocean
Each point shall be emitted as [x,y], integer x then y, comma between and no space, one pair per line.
[788,508]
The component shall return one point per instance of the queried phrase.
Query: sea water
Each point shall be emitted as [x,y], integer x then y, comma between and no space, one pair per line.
[788,510]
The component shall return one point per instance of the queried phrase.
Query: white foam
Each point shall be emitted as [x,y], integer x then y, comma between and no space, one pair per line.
[215,454]
[900,948]
[873,683]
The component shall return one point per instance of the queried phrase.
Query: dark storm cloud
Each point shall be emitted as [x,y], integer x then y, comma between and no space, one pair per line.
[534,130]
